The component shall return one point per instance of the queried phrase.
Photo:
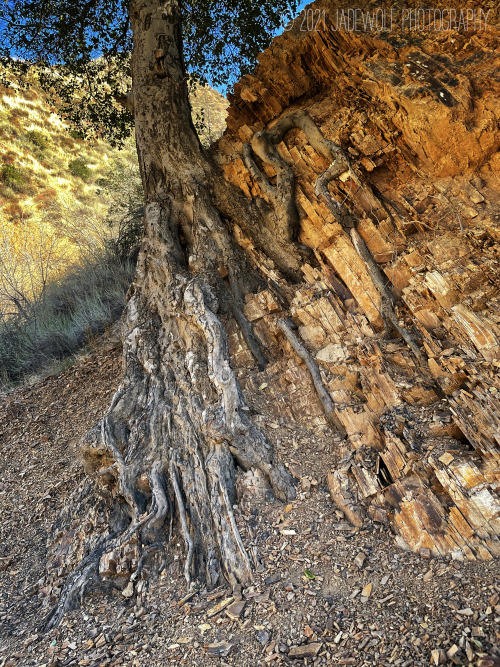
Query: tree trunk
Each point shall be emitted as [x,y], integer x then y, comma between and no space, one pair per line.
[178,421]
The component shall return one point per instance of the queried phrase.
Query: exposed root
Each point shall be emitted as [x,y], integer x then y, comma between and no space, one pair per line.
[340,165]
[77,583]
[257,219]
[285,221]
[157,546]
[389,317]
[236,533]
[138,525]
[184,524]
[313,369]
[388,314]
[161,501]
[86,574]
[246,327]
[179,422]
[282,196]
[100,473]
[181,405]
[246,442]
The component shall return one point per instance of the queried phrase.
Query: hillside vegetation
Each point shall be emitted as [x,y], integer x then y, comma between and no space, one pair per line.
[47,171]
[58,193]
[70,221]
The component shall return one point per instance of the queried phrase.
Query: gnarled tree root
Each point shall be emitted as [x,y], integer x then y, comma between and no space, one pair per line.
[178,424]
[387,312]
[282,196]
[195,446]
[283,219]
[312,367]
[389,317]
[78,582]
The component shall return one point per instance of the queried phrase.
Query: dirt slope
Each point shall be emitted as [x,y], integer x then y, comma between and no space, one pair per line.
[415,606]
[39,429]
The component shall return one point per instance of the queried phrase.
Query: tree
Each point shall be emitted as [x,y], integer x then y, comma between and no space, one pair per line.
[178,423]
[29,258]
[179,419]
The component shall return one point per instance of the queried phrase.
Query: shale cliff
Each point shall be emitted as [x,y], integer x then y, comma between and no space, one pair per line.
[417,113]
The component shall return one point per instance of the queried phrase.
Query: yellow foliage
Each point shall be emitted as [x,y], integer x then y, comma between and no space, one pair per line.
[40,188]
[46,195]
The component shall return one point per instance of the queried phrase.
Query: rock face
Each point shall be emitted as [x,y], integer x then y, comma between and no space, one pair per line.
[418,114]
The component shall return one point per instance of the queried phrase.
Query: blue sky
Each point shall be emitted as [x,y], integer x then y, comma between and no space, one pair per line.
[227,88]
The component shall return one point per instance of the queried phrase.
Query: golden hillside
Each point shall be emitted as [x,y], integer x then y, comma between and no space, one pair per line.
[209,113]
[45,166]
[53,204]
[58,193]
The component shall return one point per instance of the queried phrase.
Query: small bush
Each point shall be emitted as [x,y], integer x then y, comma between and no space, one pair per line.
[30,95]
[79,168]
[123,184]
[103,183]
[7,193]
[5,127]
[12,209]
[12,175]
[75,134]
[25,189]
[127,241]
[38,139]
[19,113]
[14,178]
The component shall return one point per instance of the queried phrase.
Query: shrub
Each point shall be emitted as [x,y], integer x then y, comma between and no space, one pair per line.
[126,243]
[30,95]
[25,189]
[14,178]
[75,134]
[7,193]
[19,113]
[80,169]
[38,139]
[12,175]
[13,210]
[123,184]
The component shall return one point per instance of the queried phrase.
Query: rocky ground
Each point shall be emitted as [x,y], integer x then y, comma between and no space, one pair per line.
[324,592]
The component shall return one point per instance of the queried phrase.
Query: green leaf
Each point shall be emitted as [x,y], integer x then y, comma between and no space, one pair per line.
[309,574]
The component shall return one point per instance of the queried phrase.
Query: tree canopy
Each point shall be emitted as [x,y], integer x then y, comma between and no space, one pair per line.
[85,46]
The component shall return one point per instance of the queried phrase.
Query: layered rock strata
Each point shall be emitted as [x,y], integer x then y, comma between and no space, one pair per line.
[417,113]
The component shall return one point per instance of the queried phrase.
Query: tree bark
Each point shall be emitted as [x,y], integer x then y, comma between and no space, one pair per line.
[179,415]
[179,418]
[178,424]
